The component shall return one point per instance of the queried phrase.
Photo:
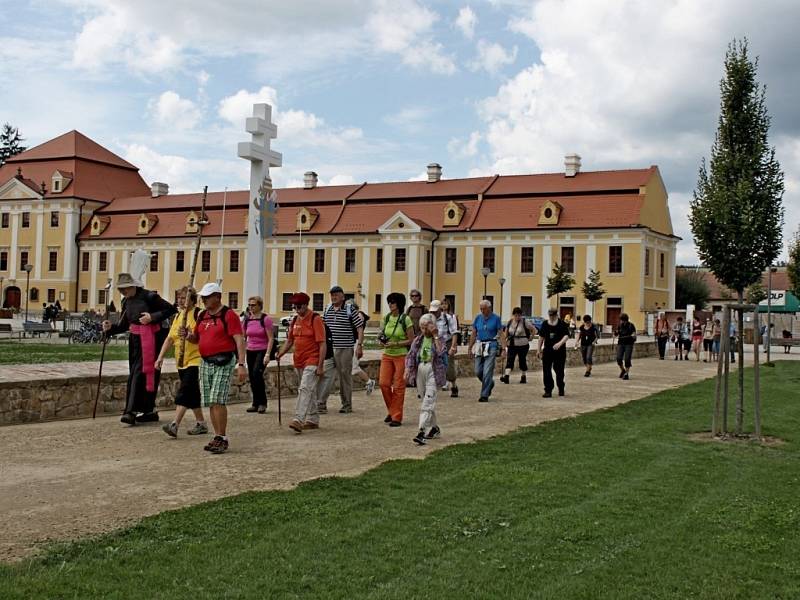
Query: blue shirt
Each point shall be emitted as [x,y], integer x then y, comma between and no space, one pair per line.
[487,328]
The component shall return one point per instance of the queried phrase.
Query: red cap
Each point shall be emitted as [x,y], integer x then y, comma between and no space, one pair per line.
[300,298]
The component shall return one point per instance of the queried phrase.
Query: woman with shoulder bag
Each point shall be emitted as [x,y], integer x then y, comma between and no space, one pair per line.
[518,338]
[396,335]
[587,338]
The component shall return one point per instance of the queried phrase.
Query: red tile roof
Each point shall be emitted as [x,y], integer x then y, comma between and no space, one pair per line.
[557,183]
[717,291]
[72,144]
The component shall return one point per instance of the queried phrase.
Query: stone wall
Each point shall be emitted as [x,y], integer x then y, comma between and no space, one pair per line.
[35,401]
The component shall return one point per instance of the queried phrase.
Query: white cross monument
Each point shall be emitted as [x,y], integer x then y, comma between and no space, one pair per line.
[261,158]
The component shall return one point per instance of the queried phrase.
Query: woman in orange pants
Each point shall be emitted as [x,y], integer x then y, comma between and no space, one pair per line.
[395,336]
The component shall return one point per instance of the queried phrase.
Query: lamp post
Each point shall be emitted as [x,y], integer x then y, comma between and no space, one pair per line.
[485,272]
[2,299]
[28,268]
[502,281]
[769,307]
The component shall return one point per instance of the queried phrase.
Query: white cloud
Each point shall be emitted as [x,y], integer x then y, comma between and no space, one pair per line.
[466,21]
[236,108]
[492,57]
[461,148]
[170,110]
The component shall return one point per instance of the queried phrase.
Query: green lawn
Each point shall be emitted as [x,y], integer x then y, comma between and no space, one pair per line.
[17,352]
[613,504]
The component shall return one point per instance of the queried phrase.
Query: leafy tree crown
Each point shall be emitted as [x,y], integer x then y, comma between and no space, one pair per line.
[559,282]
[10,143]
[592,288]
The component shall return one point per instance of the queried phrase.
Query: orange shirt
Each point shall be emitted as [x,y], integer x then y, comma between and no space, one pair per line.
[306,333]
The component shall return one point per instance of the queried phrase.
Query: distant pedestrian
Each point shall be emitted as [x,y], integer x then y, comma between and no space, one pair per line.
[787,335]
[626,338]
[448,334]
[188,395]
[347,330]
[416,309]
[587,339]
[553,336]
[357,371]
[452,351]
[697,337]
[717,340]
[663,331]
[518,335]
[682,338]
[487,343]
[425,369]
[708,340]
[395,336]
[257,328]
[732,334]
[306,334]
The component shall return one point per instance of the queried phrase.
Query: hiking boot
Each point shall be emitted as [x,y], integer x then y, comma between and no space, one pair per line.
[625,377]
[454,392]
[128,419]
[547,395]
[523,379]
[504,379]
[395,423]
[310,425]
[346,410]
[150,417]
[483,399]
[215,441]
[419,439]
[171,429]
[220,448]
[370,386]
[262,410]
[296,426]
[587,374]
[388,419]
[252,409]
[198,429]
[435,432]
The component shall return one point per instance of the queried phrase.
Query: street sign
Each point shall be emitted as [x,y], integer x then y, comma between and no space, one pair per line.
[778,298]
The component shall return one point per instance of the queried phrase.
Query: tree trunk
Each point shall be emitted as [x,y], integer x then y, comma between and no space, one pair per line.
[715,421]
[757,394]
[726,355]
[740,348]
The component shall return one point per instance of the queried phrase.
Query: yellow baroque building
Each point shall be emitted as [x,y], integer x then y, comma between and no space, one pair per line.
[439,236]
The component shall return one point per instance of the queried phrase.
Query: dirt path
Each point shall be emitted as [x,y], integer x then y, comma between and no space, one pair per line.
[70,479]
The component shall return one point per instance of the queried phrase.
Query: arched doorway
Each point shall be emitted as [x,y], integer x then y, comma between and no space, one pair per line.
[12,298]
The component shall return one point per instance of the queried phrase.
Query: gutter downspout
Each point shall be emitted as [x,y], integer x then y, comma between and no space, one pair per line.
[78,255]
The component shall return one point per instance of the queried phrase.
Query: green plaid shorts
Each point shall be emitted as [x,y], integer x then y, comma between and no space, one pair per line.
[215,382]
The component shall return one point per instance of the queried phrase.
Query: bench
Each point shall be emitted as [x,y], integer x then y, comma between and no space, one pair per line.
[37,328]
[792,341]
[6,328]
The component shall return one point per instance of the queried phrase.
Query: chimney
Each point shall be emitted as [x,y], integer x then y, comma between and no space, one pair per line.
[310,180]
[434,172]
[572,165]
[158,188]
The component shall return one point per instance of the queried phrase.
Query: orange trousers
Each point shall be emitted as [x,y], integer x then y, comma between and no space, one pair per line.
[393,385]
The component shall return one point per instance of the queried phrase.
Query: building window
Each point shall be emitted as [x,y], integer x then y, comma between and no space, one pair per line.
[490,299]
[233,300]
[286,303]
[568,259]
[488,259]
[450,260]
[615,259]
[350,260]
[233,263]
[427,261]
[379,261]
[34,295]
[54,218]
[378,306]
[399,259]
[51,295]
[84,261]
[288,261]
[52,261]
[4,219]
[154,262]
[526,261]
[205,258]
[451,299]
[103,261]
[26,219]
[318,302]
[661,264]
[3,261]
[319,260]
[23,259]
[101,297]
[84,296]
[647,262]
[526,304]
[180,258]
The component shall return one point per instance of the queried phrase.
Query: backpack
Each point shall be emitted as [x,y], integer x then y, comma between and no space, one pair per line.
[273,351]
[328,334]
[350,314]
[524,326]
[203,315]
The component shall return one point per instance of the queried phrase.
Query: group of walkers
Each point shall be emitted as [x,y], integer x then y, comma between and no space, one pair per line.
[696,336]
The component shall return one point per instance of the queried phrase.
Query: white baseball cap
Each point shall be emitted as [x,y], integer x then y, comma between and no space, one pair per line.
[435,305]
[210,288]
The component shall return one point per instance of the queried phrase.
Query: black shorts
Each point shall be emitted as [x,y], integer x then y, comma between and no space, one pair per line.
[189,391]
[708,345]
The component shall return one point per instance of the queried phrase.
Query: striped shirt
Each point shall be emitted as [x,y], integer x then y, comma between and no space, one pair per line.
[343,329]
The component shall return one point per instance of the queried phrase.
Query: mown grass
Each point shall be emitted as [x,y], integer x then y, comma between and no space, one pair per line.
[24,353]
[613,504]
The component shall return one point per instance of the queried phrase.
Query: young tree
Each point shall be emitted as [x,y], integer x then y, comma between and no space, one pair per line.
[559,282]
[10,143]
[737,209]
[691,288]
[593,289]
[793,268]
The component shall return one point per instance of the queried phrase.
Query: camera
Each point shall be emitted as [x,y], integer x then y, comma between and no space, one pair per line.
[383,339]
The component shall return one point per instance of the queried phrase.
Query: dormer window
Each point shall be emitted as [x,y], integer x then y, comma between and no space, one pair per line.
[99,225]
[550,213]
[306,218]
[59,181]
[146,223]
[453,213]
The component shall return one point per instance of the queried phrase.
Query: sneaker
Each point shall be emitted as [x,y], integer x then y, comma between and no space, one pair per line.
[370,386]
[128,419]
[454,392]
[395,423]
[587,374]
[199,428]
[547,395]
[388,419]
[523,379]
[310,425]
[171,429]
[216,440]
[504,379]
[323,410]
[435,432]
[252,409]
[150,417]
[625,377]
[419,439]
[220,448]
[296,426]
[262,410]
[345,410]
[483,399]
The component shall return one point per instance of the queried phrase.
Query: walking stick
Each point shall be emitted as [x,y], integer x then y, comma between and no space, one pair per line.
[201,222]
[102,354]
[279,392]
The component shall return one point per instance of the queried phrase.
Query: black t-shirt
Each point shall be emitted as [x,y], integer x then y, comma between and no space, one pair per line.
[626,332]
[587,336]
[552,334]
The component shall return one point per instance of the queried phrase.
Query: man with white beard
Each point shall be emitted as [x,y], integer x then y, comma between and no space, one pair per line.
[553,336]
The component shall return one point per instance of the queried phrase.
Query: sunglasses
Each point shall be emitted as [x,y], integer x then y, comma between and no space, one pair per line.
[253,305]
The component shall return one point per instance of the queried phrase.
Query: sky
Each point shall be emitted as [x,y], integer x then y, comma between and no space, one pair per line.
[374,90]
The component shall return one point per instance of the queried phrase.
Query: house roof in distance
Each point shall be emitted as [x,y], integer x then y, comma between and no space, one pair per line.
[72,144]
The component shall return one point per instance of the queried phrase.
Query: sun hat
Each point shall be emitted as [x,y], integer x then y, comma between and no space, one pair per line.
[209,289]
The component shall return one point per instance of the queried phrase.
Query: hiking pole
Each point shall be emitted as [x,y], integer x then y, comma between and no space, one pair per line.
[279,393]
[201,222]
[102,354]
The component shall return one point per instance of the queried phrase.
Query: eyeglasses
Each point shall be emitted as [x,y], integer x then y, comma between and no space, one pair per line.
[416,296]
[253,305]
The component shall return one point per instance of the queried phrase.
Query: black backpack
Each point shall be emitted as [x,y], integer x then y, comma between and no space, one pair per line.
[328,334]
[203,315]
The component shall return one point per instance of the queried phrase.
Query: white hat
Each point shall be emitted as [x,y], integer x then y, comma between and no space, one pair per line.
[435,305]
[210,288]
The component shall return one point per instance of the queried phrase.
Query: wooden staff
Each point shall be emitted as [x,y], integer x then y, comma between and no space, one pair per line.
[102,354]
[201,222]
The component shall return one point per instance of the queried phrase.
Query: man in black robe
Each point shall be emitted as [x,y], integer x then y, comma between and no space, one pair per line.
[142,314]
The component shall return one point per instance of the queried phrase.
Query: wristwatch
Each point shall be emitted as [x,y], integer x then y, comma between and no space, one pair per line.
[239,364]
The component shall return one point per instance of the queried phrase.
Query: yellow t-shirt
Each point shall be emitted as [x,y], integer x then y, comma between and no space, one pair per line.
[192,351]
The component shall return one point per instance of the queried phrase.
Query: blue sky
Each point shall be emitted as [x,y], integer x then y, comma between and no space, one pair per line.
[374,90]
